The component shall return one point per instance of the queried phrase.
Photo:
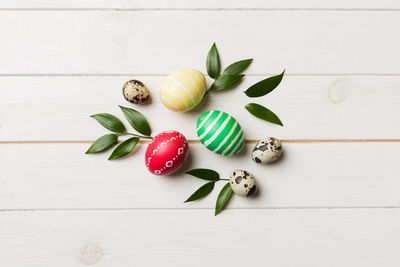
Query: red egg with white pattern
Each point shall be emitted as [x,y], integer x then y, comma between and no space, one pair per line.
[166,153]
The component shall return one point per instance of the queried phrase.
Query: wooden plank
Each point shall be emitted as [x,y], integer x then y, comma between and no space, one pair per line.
[176,238]
[315,107]
[158,42]
[53,176]
[200,4]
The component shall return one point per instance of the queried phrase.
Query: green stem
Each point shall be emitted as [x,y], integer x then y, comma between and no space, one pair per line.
[208,90]
[221,179]
[141,136]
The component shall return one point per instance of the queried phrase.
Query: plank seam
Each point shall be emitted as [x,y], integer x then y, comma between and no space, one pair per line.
[195,142]
[22,75]
[186,209]
[204,9]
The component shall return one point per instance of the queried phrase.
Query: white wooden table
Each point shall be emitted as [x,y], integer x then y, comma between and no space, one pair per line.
[333,200]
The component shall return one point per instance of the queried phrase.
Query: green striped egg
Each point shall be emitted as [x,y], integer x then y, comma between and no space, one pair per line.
[220,132]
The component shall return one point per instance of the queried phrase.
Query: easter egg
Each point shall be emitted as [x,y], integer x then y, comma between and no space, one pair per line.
[166,153]
[183,90]
[220,132]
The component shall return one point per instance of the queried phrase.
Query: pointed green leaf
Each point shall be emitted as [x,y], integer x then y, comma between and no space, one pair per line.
[223,198]
[205,174]
[213,65]
[137,120]
[124,148]
[226,81]
[201,192]
[263,113]
[237,67]
[102,144]
[110,122]
[265,86]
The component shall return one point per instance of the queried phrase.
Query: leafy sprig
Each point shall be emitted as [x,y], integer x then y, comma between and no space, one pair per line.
[223,197]
[112,123]
[265,86]
[201,192]
[205,174]
[124,148]
[237,67]
[103,143]
[213,177]
[232,75]
[136,120]
[213,64]
[262,88]
[226,81]
[263,113]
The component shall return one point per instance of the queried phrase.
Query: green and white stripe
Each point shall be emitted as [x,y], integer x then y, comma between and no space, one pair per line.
[220,132]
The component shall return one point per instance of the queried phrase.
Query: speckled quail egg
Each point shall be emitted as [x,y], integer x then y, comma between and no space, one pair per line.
[267,150]
[136,92]
[242,183]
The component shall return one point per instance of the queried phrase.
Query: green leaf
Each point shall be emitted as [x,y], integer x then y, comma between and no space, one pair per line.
[205,174]
[124,148]
[213,65]
[263,113]
[201,192]
[223,198]
[265,86]
[237,67]
[137,120]
[103,143]
[110,122]
[226,81]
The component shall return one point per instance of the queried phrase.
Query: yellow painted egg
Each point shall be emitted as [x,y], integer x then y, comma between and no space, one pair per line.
[183,90]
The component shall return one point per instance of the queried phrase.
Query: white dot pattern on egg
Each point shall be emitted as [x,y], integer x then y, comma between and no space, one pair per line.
[183,90]
[166,153]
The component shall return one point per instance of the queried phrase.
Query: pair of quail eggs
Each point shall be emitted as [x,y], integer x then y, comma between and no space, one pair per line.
[266,151]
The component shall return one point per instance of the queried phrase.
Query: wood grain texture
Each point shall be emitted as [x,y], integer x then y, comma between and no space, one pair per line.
[329,203]
[315,107]
[201,4]
[61,176]
[158,42]
[281,238]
